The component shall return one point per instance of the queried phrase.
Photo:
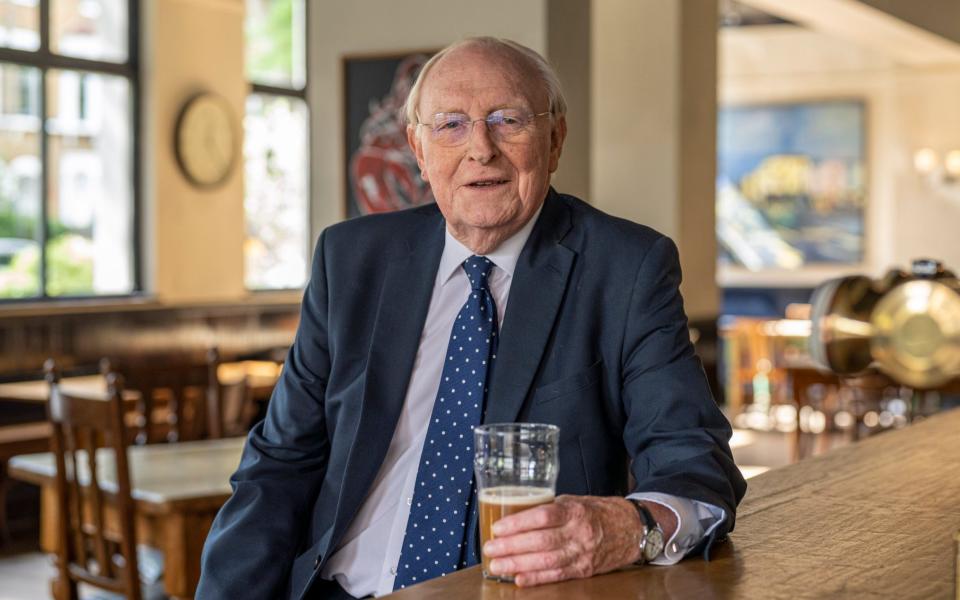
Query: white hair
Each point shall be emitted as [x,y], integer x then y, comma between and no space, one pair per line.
[533,60]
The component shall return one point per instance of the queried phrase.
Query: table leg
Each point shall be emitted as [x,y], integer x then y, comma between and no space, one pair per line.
[184,535]
[49,520]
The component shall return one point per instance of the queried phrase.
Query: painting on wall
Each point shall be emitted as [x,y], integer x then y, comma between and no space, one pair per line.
[381,170]
[791,185]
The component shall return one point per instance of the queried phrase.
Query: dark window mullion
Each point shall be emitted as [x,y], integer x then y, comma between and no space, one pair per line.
[44,27]
[43,56]
[37,59]
[44,182]
[260,88]
[133,61]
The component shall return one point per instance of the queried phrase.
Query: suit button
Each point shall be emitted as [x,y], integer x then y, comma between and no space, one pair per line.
[316,563]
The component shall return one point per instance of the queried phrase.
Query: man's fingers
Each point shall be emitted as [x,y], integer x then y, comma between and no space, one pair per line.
[523,543]
[539,517]
[535,561]
[541,577]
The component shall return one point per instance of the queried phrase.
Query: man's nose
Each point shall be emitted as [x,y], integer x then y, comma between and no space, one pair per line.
[482,147]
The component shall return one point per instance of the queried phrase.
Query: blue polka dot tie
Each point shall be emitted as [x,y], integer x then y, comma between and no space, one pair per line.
[436,536]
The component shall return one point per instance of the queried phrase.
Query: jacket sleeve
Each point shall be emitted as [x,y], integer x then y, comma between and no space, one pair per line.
[677,437]
[255,536]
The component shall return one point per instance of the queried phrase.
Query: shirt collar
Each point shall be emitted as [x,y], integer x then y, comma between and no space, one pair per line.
[505,256]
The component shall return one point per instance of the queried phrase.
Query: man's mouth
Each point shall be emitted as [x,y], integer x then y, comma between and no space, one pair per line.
[487,183]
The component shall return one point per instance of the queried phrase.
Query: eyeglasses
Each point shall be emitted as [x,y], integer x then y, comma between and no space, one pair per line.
[453,129]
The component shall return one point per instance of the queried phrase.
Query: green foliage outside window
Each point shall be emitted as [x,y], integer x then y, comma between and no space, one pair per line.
[69,272]
[271,44]
[13,225]
[20,277]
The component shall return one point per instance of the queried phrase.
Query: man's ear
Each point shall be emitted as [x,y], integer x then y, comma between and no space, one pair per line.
[414,141]
[558,133]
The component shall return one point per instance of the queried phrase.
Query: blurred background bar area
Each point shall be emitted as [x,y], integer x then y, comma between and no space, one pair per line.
[167,166]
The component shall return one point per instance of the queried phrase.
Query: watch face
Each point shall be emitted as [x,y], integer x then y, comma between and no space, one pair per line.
[654,545]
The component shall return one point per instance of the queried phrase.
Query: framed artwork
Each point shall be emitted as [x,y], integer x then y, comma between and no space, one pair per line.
[381,170]
[791,187]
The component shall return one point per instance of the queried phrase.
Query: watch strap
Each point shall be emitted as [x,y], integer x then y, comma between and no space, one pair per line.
[649,524]
[646,517]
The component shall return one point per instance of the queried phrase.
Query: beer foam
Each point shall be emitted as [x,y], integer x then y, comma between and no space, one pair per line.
[509,495]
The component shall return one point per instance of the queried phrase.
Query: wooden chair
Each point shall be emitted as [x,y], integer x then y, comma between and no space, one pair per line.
[232,409]
[176,393]
[96,546]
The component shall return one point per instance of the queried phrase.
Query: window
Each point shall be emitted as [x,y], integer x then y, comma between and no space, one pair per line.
[276,146]
[67,145]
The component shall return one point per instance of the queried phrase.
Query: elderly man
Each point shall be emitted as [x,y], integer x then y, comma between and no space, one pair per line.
[589,334]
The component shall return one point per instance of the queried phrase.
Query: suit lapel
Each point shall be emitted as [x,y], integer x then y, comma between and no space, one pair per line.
[404,301]
[536,293]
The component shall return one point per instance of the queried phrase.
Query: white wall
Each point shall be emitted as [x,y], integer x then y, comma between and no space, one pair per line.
[906,109]
[925,219]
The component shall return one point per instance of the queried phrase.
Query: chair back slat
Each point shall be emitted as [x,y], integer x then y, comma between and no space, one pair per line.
[76,494]
[175,393]
[100,549]
[88,431]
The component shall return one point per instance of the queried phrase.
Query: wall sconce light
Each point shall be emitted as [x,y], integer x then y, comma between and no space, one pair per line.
[927,162]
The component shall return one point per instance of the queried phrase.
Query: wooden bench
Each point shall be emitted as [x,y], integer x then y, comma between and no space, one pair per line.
[23,438]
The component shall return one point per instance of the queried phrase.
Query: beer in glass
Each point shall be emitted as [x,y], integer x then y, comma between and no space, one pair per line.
[516,469]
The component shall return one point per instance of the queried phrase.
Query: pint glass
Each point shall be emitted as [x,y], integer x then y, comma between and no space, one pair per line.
[516,469]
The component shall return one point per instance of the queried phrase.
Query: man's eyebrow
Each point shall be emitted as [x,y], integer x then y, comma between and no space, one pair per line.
[519,104]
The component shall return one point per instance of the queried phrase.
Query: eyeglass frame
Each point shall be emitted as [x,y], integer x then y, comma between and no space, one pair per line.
[531,116]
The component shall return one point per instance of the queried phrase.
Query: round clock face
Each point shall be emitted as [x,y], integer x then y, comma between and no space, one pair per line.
[206,141]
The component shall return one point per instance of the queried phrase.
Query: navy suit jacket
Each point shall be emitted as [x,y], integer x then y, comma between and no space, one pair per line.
[594,340]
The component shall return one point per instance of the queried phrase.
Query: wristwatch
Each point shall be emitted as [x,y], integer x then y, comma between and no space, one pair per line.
[651,540]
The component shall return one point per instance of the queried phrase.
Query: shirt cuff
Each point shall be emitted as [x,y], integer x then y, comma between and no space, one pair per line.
[695,521]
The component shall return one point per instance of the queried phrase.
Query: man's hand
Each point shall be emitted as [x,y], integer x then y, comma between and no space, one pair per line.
[575,537]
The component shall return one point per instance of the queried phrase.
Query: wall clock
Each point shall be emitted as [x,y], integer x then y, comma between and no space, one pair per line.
[206,140]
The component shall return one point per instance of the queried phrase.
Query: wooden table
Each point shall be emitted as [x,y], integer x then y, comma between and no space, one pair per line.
[871,520]
[261,377]
[39,390]
[177,488]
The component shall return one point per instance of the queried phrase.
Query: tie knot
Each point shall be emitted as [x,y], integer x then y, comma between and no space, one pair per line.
[477,269]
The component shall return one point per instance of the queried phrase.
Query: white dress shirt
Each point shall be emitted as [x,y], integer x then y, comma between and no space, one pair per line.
[366,561]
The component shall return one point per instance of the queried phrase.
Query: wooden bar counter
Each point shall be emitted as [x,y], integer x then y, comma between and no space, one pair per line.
[872,520]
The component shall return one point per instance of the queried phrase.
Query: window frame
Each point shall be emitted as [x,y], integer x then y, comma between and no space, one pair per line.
[44,60]
[301,93]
